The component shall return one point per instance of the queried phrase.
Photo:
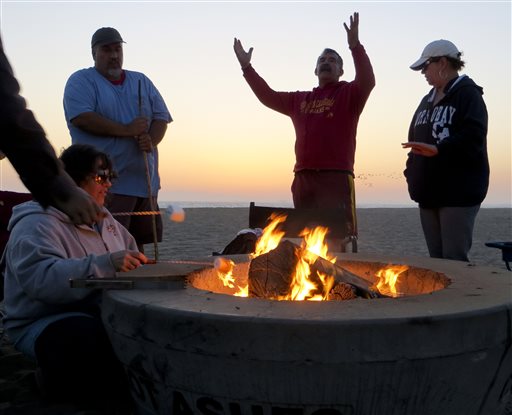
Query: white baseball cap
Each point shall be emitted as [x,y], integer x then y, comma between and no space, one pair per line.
[435,49]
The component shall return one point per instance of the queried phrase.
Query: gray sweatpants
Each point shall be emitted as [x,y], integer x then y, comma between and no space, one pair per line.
[449,231]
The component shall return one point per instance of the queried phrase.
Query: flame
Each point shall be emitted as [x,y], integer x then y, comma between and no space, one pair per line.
[388,279]
[302,286]
[314,242]
[224,269]
[328,282]
[271,236]
[242,291]
[267,241]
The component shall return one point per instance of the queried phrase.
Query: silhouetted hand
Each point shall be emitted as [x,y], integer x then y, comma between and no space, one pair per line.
[353,31]
[422,149]
[243,57]
[78,205]
[138,126]
[127,260]
[145,142]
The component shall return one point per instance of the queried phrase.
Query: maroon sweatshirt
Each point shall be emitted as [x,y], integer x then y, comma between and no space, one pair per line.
[325,119]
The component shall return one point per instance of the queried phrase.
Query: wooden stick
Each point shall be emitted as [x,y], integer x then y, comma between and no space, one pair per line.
[148,179]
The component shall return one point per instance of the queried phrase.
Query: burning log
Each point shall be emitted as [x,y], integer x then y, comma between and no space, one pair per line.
[363,286]
[271,275]
[342,291]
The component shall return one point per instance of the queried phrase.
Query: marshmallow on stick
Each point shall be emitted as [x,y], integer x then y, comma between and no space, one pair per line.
[175,213]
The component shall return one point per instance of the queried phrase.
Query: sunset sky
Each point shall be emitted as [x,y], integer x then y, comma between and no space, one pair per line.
[224,145]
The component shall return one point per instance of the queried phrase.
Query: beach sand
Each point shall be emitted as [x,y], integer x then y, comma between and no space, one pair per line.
[390,231]
[395,232]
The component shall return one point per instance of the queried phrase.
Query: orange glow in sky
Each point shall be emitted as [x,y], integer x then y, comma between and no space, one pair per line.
[224,145]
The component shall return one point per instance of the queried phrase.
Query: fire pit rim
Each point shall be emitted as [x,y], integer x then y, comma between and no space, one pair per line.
[154,333]
[467,282]
[456,309]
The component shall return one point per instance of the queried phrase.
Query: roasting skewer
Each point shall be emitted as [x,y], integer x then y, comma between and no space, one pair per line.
[175,213]
[148,180]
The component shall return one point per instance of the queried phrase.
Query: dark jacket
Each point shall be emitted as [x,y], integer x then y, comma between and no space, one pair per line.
[459,174]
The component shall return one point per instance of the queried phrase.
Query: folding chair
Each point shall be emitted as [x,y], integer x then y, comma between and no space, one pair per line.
[298,219]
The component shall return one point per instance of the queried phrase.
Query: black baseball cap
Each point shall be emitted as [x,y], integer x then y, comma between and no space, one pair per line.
[105,36]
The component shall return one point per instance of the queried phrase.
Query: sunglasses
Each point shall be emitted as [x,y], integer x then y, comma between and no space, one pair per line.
[428,62]
[102,176]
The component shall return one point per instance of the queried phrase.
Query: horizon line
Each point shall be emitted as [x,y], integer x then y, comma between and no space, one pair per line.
[243,204]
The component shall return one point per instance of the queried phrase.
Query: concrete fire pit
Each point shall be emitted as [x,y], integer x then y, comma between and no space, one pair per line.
[447,352]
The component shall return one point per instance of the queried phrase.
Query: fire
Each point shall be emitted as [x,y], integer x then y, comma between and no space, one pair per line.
[314,242]
[224,269]
[302,286]
[388,279]
[242,291]
[270,237]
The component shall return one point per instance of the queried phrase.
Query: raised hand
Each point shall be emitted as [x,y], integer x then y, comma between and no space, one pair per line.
[353,31]
[243,57]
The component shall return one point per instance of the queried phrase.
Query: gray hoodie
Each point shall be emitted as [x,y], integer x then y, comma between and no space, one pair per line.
[44,251]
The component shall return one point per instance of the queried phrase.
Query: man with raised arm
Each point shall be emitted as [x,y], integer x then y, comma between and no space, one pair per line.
[325,121]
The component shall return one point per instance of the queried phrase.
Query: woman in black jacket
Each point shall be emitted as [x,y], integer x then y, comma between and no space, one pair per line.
[447,168]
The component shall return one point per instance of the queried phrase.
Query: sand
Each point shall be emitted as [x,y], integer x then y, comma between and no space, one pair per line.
[395,232]
[391,231]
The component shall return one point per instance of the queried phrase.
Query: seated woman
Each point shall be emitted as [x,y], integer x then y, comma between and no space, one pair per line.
[60,327]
